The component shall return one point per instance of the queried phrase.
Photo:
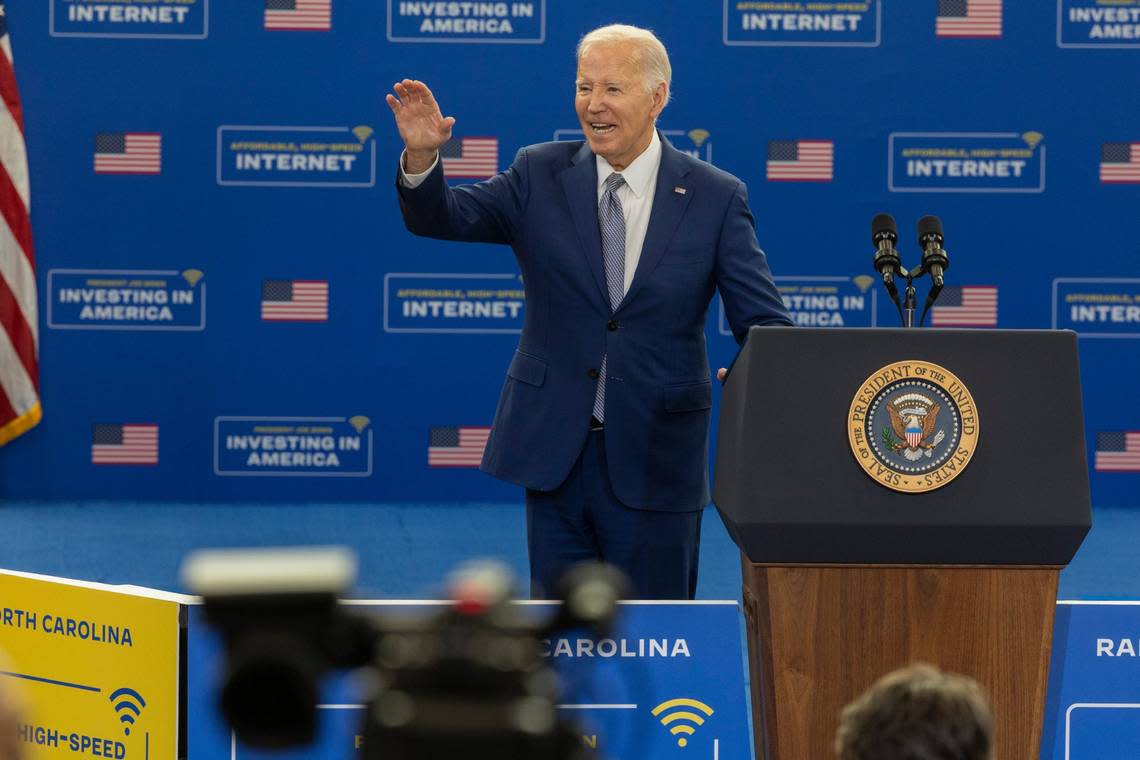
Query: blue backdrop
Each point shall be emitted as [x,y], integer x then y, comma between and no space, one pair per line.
[221,260]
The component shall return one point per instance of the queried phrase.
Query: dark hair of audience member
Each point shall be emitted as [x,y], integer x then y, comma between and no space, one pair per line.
[917,713]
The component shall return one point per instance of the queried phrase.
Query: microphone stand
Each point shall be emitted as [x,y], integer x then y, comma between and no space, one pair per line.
[910,297]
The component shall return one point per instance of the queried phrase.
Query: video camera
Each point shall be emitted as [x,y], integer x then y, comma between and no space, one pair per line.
[465,682]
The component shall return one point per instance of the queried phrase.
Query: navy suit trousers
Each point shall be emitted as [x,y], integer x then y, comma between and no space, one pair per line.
[583,520]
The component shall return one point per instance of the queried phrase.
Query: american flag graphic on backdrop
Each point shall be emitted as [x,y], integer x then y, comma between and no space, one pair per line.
[470,157]
[966,306]
[20,408]
[801,161]
[124,444]
[1120,163]
[457,446]
[298,15]
[1117,451]
[968,18]
[295,301]
[128,153]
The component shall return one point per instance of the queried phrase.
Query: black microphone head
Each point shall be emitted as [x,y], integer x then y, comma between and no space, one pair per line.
[883,227]
[929,227]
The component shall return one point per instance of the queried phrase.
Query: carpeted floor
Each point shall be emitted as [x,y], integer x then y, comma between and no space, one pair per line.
[405,550]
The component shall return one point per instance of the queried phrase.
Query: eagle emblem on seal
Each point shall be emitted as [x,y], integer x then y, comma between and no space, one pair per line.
[914,419]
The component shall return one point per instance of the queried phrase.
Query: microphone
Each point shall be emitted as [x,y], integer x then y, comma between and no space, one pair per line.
[934,258]
[884,235]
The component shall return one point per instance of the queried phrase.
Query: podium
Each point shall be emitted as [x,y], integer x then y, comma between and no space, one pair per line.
[899,496]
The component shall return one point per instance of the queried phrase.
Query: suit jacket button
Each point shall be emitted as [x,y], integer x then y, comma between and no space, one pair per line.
[611,326]
[592,373]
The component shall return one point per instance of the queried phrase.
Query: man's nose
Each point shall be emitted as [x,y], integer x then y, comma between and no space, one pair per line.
[597,101]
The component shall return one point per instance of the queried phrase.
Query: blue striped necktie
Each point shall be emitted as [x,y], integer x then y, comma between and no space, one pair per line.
[611,222]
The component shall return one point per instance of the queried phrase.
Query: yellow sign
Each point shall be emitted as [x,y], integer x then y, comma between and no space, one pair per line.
[98,668]
[913,426]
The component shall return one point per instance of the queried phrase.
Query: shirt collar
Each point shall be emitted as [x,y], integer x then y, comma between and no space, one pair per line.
[638,174]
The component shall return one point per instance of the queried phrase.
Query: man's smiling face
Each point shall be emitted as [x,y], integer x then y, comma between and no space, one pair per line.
[616,110]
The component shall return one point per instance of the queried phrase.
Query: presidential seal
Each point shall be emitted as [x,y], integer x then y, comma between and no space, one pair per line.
[913,426]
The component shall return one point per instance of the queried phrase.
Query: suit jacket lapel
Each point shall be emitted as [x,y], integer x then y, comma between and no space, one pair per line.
[668,208]
[580,183]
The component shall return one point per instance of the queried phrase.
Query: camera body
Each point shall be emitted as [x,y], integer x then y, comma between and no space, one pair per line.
[468,681]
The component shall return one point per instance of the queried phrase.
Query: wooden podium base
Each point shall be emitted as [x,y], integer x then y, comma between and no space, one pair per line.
[820,635]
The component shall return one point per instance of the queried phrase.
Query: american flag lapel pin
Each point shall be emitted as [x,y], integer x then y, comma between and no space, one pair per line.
[679,190]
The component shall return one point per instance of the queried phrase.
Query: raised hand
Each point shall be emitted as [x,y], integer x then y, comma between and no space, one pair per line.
[422,126]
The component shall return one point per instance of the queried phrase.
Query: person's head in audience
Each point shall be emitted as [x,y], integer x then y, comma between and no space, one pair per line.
[917,713]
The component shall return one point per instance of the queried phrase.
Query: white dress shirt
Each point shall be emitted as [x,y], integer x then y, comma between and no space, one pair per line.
[636,196]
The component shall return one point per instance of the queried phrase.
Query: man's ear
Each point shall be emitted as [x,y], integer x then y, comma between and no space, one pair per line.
[660,95]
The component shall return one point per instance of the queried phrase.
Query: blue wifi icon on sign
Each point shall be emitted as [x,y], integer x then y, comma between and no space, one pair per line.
[128,704]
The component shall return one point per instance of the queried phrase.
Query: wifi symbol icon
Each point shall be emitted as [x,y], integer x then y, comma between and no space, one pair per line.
[128,704]
[681,722]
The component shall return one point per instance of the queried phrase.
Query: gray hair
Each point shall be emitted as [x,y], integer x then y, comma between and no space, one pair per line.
[650,54]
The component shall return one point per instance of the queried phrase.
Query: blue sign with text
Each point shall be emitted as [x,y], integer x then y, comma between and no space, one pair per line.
[816,24]
[297,156]
[171,19]
[493,22]
[1093,707]
[966,162]
[283,446]
[824,301]
[453,303]
[1106,307]
[119,299]
[667,684]
[1098,23]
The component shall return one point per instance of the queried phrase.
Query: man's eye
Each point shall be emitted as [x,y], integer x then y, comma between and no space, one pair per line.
[613,90]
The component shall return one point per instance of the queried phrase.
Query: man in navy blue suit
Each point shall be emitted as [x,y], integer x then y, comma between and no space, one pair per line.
[621,241]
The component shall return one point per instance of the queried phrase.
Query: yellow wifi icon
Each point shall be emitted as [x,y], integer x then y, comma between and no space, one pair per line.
[698,136]
[681,722]
[863,281]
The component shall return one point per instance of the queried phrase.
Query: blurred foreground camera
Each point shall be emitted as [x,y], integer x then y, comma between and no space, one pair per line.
[467,681]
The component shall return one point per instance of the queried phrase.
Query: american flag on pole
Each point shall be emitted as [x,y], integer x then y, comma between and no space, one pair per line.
[1120,163]
[128,153]
[966,306]
[124,444]
[801,161]
[298,15]
[19,323]
[1118,451]
[968,18]
[295,301]
[470,157]
[457,446]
